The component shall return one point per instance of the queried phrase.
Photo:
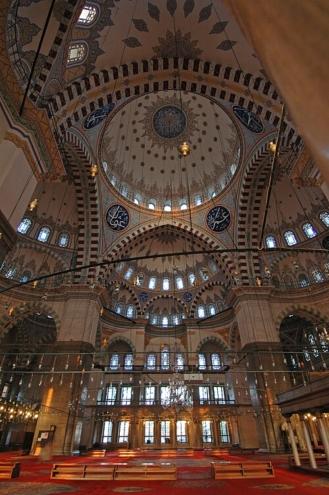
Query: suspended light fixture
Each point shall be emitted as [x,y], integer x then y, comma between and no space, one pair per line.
[33,204]
[184,149]
[93,170]
[272,146]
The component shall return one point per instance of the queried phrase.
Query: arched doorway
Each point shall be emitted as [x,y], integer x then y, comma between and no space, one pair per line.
[22,356]
[305,345]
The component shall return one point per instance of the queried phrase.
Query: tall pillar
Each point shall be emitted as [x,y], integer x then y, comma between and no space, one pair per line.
[61,408]
[259,336]
[309,446]
[324,436]
[293,445]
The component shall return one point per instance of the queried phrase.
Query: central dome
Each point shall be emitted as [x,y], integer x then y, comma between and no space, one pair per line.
[140,156]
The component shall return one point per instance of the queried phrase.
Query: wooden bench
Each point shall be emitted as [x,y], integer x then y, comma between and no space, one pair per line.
[234,470]
[215,452]
[146,472]
[83,471]
[320,459]
[9,470]
[97,453]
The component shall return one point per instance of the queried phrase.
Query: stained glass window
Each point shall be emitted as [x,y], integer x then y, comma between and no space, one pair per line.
[44,234]
[270,242]
[290,238]
[87,15]
[77,53]
[309,230]
[151,362]
[324,217]
[63,240]
[24,226]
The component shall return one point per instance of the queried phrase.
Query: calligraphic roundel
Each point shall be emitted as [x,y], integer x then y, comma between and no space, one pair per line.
[218,218]
[117,217]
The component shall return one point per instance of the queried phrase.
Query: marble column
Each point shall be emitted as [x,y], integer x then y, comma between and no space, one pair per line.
[293,444]
[324,435]
[309,446]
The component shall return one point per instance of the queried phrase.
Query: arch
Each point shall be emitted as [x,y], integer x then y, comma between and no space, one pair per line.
[212,339]
[87,200]
[165,296]
[162,71]
[121,338]
[24,310]
[128,241]
[135,301]
[302,310]
[204,289]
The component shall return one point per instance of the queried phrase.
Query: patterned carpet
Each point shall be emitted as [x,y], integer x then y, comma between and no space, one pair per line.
[194,478]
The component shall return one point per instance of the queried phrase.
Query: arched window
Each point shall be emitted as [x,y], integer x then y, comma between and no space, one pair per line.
[151,205]
[202,363]
[128,362]
[324,217]
[165,321]
[303,280]
[198,200]
[212,309]
[176,319]
[270,241]
[201,312]
[152,282]
[129,273]
[290,238]
[77,53]
[215,361]
[317,276]
[191,279]
[114,362]
[88,15]
[164,358]
[25,277]
[204,274]
[179,283]
[118,309]
[63,239]
[309,230]
[11,272]
[165,283]
[180,361]
[44,234]
[130,311]
[24,226]
[167,207]
[183,206]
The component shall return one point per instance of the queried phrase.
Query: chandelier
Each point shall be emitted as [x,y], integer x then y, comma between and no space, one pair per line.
[178,395]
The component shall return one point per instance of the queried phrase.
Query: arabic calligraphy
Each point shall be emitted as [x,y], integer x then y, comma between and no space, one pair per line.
[249,119]
[117,217]
[218,218]
[95,118]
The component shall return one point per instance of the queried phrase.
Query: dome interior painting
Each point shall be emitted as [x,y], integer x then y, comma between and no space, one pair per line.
[139,150]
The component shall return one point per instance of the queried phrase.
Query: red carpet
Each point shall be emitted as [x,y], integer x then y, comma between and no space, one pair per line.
[194,477]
